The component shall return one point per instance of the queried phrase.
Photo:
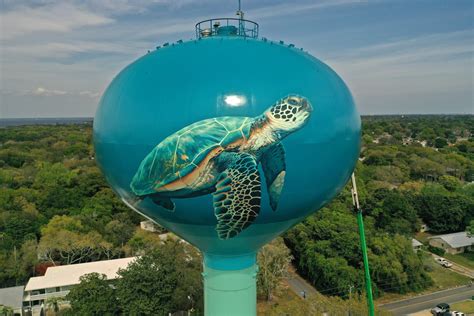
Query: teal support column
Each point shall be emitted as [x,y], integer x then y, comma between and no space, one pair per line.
[230,292]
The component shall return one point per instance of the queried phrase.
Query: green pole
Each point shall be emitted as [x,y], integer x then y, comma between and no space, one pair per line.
[363,246]
[229,292]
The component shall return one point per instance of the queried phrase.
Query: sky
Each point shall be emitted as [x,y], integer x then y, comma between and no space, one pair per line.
[397,57]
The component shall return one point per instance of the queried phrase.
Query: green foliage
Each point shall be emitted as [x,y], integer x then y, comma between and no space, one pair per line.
[444,211]
[48,171]
[392,212]
[163,281]
[54,201]
[53,303]
[470,228]
[6,310]
[436,250]
[327,252]
[413,169]
[65,239]
[93,296]
[273,262]
[148,285]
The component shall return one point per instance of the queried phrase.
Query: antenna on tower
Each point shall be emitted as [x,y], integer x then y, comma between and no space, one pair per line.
[240,13]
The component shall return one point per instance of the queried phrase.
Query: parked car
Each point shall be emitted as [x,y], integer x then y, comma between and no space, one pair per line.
[445,263]
[454,313]
[440,309]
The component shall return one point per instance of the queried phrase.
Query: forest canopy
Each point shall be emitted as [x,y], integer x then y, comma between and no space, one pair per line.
[56,208]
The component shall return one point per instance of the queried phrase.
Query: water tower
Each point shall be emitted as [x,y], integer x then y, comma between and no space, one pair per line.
[227,140]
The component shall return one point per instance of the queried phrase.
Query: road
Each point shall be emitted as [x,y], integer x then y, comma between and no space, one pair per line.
[298,285]
[429,301]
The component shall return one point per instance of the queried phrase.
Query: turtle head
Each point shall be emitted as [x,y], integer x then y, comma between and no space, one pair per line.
[289,114]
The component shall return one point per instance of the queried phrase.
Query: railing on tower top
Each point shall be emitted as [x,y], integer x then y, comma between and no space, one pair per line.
[228,27]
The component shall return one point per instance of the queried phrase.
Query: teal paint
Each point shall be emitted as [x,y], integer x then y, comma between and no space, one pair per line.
[230,292]
[186,82]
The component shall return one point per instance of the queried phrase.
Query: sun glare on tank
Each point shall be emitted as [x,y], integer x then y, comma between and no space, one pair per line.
[235,100]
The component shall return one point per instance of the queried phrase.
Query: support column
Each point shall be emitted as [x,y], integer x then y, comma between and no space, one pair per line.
[230,285]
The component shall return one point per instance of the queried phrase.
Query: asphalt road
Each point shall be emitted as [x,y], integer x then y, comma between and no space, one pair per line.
[298,285]
[429,301]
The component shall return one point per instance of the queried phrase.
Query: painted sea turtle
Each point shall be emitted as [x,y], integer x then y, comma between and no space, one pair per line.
[221,156]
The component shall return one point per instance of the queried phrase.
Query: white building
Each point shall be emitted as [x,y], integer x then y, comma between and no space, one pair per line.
[453,243]
[148,225]
[58,280]
[416,244]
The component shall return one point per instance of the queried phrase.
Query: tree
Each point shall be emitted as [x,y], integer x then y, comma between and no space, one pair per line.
[273,262]
[142,242]
[6,310]
[94,295]
[392,212]
[450,183]
[65,239]
[440,142]
[54,303]
[444,211]
[470,229]
[327,252]
[118,233]
[147,285]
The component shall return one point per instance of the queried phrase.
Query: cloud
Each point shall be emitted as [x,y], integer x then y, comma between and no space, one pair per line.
[394,77]
[41,91]
[46,92]
[90,94]
[293,8]
[57,18]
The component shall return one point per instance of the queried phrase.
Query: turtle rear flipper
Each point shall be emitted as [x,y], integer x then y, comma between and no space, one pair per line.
[164,202]
[237,196]
[274,166]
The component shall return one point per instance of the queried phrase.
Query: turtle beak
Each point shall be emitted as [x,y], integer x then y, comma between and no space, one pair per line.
[306,105]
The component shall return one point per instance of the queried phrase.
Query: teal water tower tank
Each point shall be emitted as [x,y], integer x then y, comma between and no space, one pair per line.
[227,140]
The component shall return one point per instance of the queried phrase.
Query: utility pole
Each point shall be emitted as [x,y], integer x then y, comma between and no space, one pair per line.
[363,246]
[350,299]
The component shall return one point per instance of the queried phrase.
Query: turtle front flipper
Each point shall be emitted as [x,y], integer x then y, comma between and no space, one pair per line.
[237,196]
[274,168]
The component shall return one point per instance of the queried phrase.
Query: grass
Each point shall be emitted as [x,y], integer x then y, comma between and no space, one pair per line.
[443,278]
[286,302]
[284,298]
[466,307]
[464,259]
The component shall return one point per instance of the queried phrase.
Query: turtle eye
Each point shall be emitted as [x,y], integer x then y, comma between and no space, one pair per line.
[292,101]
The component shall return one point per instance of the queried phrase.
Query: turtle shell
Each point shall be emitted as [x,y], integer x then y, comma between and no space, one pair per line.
[180,153]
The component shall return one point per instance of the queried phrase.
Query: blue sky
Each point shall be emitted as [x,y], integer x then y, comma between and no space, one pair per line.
[57,56]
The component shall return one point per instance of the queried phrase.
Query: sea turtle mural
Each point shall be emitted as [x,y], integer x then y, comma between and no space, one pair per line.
[220,156]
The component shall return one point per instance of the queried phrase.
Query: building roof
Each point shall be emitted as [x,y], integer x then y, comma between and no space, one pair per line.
[12,296]
[456,240]
[415,243]
[70,274]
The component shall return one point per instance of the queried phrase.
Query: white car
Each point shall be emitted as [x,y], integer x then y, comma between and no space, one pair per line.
[454,313]
[445,263]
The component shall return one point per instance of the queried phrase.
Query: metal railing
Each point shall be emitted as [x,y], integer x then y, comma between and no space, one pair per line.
[227,26]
